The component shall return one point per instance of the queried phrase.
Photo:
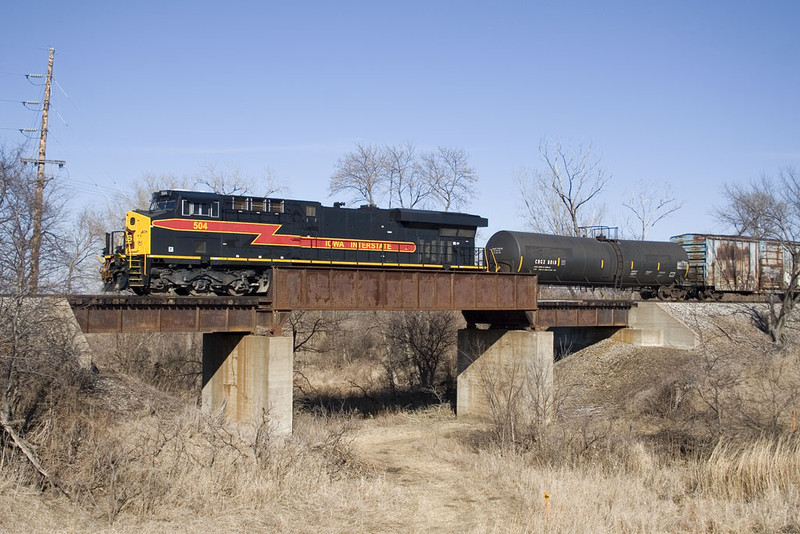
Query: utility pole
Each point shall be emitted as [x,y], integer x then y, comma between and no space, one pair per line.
[38,201]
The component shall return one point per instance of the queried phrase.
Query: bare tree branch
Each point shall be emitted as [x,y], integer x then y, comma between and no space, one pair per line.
[360,172]
[406,179]
[770,209]
[450,177]
[650,203]
[563,197]
[232,181]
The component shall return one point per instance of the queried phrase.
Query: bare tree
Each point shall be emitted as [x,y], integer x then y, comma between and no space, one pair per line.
[770,209]
[405,178]
[650,203]
[420,343]
[449,176]
[749,208]
[562,197]
[18,186]
[140,193]
[441,179]
[39,361]
[360,172]
[77,246]
[232,181]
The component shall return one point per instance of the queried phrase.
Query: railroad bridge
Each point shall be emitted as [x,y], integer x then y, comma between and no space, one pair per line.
[248,362]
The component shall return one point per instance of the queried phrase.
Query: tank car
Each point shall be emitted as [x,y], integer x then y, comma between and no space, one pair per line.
[653,268]
[192,242]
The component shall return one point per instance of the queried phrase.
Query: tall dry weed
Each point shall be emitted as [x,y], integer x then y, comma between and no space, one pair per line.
[747,470]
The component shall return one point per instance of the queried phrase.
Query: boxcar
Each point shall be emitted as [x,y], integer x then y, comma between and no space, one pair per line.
[721,264]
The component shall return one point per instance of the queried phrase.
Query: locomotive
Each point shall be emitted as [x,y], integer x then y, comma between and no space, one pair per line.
[201,243]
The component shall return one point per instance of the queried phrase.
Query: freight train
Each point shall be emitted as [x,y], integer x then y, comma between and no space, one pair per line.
[200,243]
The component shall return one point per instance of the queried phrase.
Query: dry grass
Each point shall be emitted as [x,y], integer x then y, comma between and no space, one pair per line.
[634,448]
[638,490]
[748,471]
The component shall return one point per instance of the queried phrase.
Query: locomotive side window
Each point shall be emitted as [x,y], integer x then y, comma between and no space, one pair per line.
[208,209]
[275,206]
[311,211]
[456,232]
[259,204]
[241,204]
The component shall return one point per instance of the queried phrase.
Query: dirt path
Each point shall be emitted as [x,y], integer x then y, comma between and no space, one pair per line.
[429,460]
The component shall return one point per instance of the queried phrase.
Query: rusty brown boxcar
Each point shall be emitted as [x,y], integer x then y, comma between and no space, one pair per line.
[721,264]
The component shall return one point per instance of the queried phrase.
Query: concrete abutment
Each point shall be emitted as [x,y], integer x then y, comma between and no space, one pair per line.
[505,373]
[653,324]
[249,377]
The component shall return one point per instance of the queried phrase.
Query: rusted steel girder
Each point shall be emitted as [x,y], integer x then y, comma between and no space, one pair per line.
[373,289]
[555,314]
[309,289]
[131,314]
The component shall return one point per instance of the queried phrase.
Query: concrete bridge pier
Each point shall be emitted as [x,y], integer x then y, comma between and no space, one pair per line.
[505,375]
[249,377]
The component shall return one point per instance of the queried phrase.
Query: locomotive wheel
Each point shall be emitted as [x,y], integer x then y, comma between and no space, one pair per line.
[200,286]
[238,288]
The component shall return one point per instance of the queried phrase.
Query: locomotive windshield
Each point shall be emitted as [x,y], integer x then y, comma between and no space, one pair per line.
[162,204]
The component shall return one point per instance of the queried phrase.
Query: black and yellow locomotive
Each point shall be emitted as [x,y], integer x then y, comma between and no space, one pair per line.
[200,243]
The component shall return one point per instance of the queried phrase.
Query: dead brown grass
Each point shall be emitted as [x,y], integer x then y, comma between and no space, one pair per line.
[635,447]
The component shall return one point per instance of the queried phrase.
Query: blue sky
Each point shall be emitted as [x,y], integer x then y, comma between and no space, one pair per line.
[696,94]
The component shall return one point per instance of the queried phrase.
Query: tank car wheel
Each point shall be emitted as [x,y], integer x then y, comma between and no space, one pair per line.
[647,294]
[664,293]
[707,294]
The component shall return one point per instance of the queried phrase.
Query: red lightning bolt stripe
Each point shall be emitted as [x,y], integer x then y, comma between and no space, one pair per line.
[266,234]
